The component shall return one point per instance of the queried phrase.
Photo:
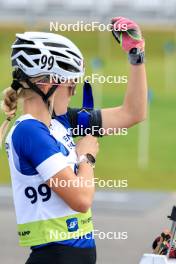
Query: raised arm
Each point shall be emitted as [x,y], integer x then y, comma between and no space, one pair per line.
[134,108]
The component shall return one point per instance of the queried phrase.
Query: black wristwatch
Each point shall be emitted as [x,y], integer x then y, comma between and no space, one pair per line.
[89,158]
[136,56]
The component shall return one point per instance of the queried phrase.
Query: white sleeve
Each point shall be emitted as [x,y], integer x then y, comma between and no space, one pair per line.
[52,166]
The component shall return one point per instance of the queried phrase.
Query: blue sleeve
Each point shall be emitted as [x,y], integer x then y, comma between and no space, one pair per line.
[32,141]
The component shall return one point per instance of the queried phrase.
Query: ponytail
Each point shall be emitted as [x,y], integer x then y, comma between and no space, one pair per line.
[10,102]
[9,107]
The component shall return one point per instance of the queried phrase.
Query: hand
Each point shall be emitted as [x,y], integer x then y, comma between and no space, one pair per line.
[87,144]
[130,37]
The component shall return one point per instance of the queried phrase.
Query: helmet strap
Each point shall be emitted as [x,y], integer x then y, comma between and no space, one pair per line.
[44,96]
[21,76]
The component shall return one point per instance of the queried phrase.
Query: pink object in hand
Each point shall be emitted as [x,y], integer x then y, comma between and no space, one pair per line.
[127,33]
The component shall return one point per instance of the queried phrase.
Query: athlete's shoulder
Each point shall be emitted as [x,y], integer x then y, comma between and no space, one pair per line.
[29,127]
[29,133]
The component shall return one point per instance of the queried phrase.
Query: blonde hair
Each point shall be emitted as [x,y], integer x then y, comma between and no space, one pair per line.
[10,103]
[9,107]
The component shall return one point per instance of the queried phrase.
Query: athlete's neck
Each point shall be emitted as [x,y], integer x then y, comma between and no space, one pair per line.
[38,109]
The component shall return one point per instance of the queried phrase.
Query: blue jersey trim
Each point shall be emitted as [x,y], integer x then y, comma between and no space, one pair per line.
[83,242]
[63,119]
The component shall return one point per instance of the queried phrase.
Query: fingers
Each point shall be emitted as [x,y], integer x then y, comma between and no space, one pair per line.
[118,19]
[127,33]
[120,22]
[92,138]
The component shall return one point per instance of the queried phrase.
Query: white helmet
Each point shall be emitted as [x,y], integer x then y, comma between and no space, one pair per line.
[40,53]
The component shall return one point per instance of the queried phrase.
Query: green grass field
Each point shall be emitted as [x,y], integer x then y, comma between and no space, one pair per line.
[119,154]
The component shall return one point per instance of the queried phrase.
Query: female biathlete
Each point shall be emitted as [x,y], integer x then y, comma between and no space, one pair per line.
[53,213]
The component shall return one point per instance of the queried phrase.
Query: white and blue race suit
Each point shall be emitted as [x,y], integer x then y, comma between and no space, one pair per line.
[36,153]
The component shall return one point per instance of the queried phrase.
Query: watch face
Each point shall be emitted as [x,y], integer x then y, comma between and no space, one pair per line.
[90,157]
